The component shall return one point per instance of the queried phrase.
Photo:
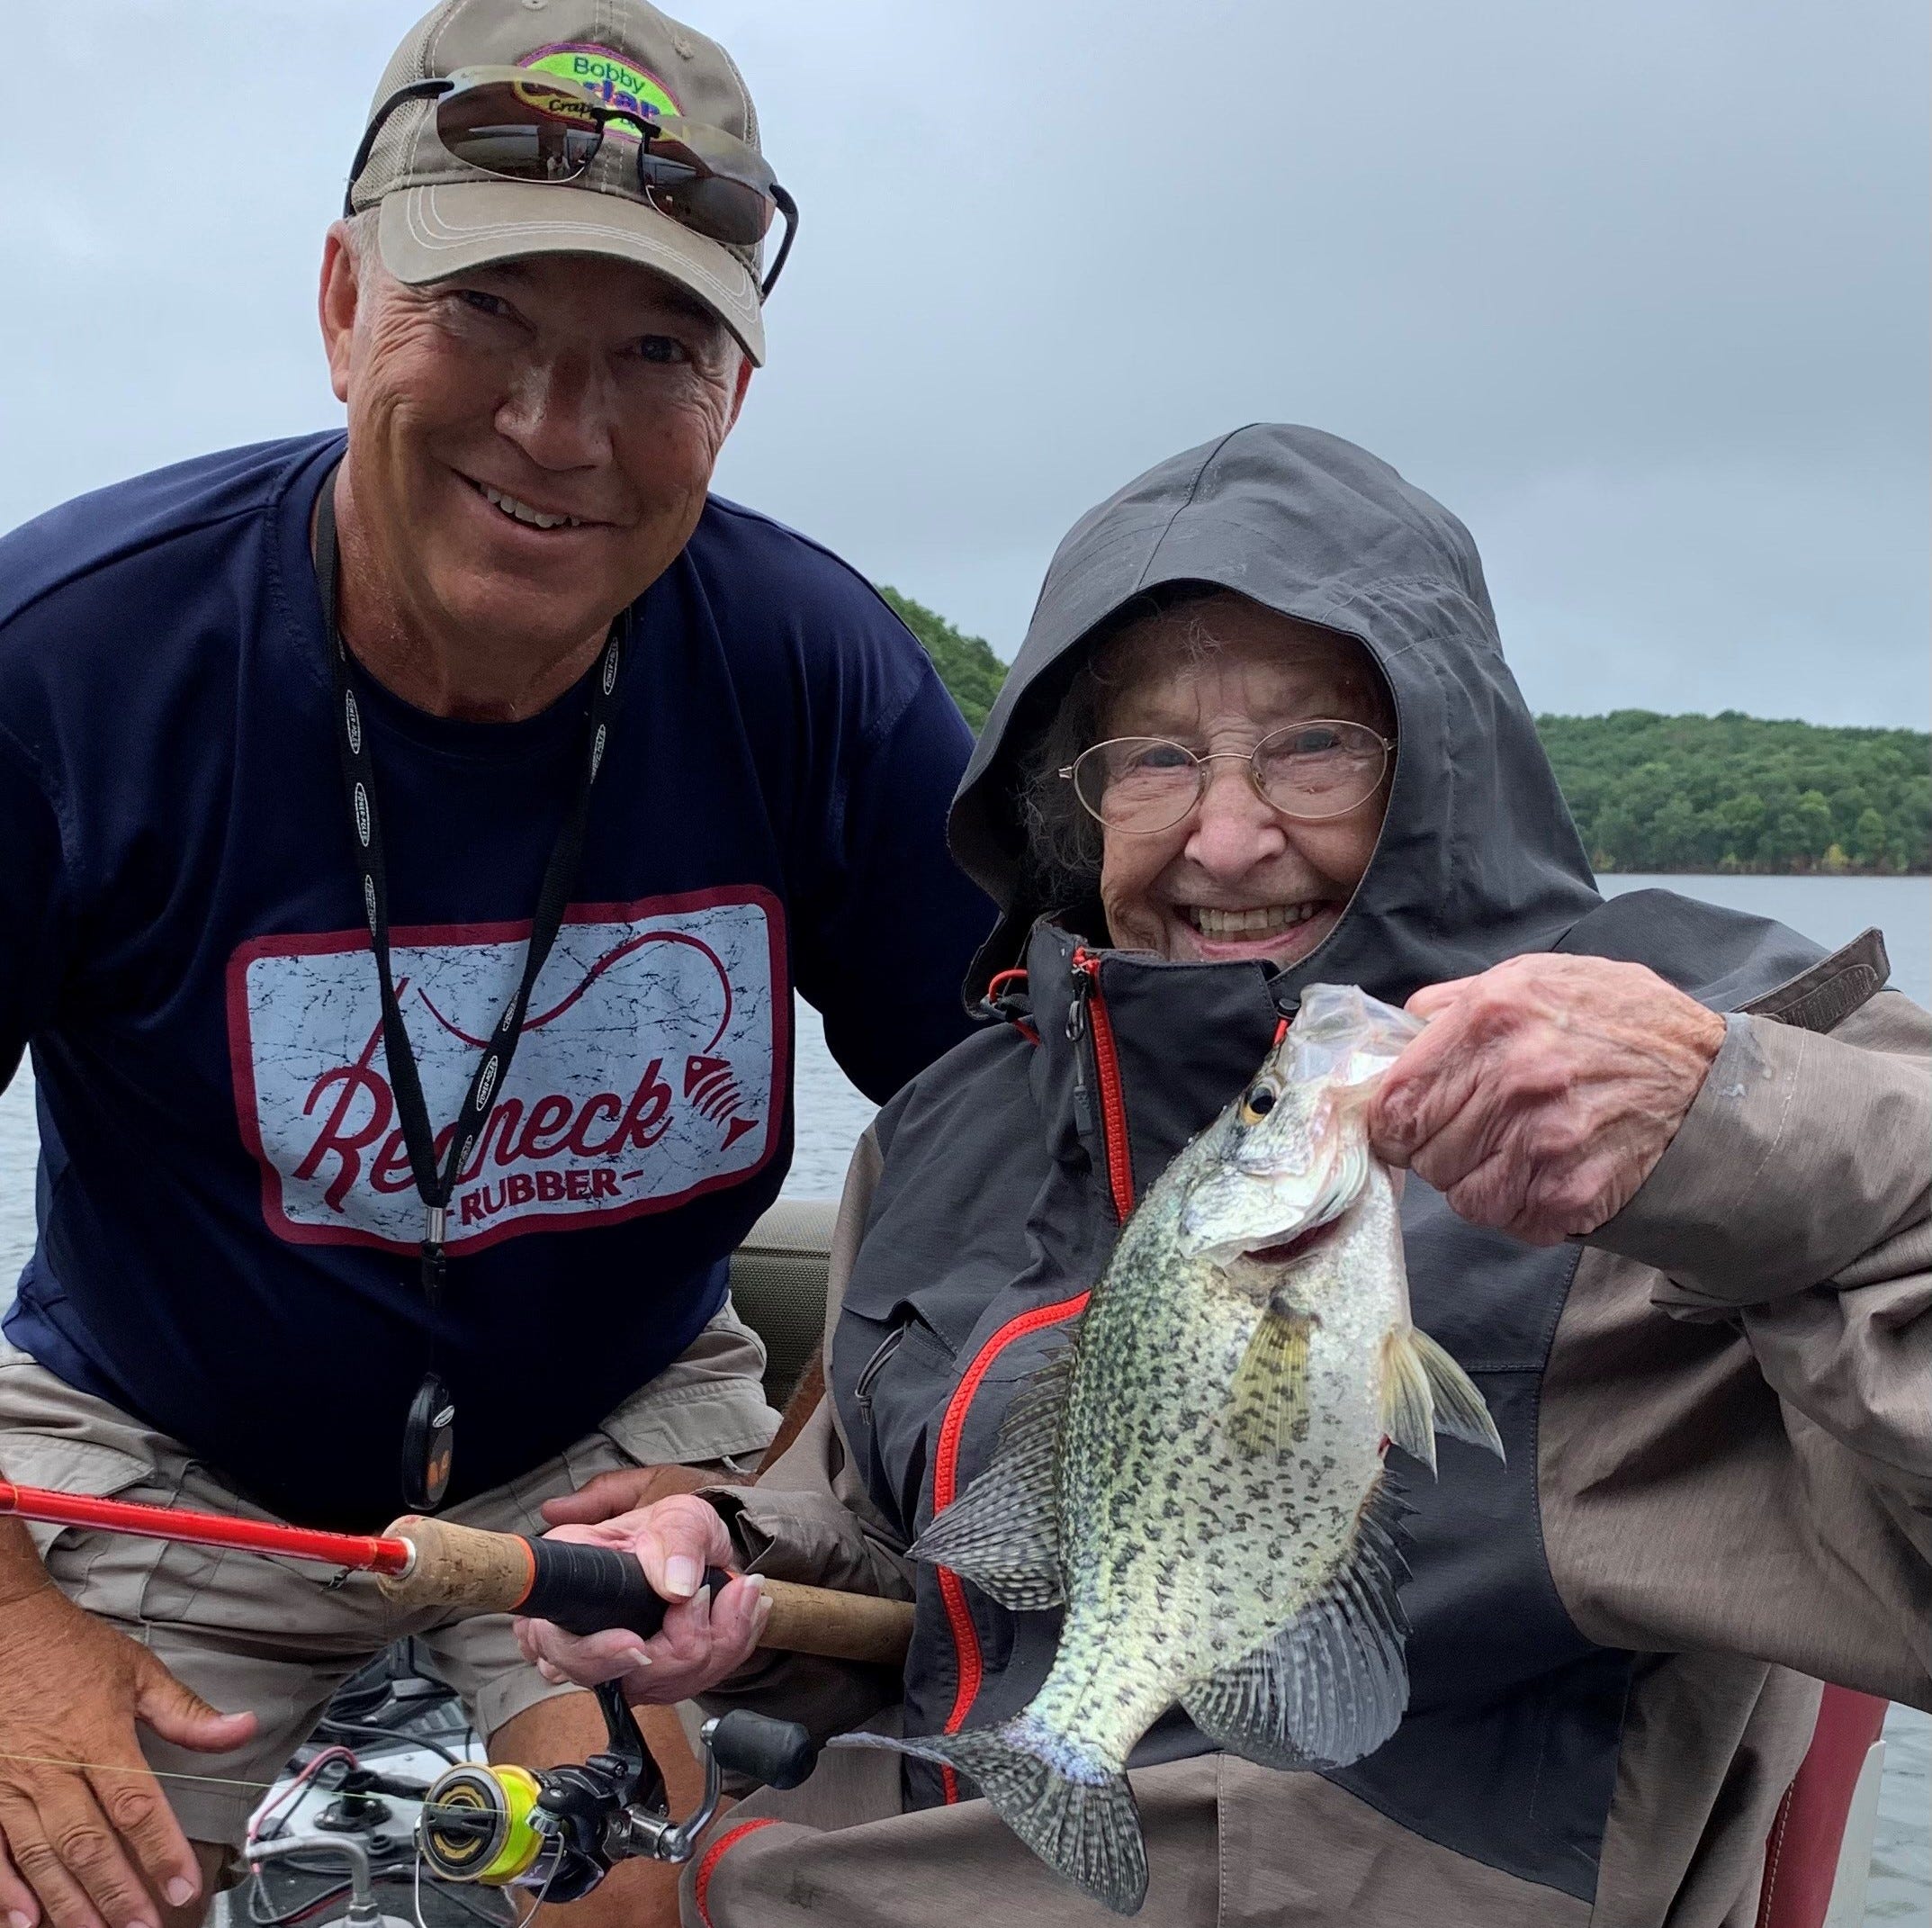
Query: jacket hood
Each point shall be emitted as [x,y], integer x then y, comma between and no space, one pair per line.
[1478,859]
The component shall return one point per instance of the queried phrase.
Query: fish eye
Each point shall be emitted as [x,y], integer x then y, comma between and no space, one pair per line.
[1257,1104]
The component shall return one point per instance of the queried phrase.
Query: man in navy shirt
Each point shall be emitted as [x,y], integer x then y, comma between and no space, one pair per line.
[582,713]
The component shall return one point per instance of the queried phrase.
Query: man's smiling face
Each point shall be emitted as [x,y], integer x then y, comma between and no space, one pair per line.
[530,443]
[1235,878]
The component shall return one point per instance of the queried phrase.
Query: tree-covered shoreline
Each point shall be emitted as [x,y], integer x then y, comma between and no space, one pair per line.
[1740,794]
[1683,795]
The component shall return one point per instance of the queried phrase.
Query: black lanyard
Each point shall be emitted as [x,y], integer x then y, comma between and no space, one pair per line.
[428,1433]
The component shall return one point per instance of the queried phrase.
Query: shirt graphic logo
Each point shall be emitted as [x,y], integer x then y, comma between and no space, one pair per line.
[650,1068]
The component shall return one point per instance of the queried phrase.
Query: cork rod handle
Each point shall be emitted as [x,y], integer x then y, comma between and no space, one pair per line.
[460,1566]
[854,1626]
[587,1588]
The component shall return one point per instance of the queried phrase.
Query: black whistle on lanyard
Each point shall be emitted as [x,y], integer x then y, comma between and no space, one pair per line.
[428,1444]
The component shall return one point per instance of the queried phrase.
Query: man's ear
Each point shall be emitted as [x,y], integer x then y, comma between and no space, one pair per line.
[335,305]
[745,367]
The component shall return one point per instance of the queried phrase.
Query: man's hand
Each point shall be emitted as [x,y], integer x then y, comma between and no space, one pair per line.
[97,1846]
[1544,1090]
[628,1490]
[702,1639]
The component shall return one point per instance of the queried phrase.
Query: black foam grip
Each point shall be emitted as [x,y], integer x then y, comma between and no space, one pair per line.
[779,1752]
[587,1588]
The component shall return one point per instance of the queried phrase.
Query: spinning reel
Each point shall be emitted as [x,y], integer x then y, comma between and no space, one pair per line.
[559,1831]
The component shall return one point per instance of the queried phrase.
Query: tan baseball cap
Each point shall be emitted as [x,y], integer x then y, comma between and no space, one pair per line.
[441,217]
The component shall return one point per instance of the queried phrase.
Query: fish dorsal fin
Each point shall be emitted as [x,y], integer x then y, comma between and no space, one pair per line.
[1332,1685]
[1002,1532]
[1268,1402]
[1426,1392]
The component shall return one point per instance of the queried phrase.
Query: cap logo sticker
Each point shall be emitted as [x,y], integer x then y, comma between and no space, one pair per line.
[609,77]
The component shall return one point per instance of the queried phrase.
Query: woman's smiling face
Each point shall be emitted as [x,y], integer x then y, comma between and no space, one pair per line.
[1234,878]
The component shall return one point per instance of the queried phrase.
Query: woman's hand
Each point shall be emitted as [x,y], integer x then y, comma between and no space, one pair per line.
[702,1640]
[1544,1090]
[625,1489]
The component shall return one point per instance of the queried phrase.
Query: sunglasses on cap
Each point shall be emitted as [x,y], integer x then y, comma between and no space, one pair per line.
[521,125]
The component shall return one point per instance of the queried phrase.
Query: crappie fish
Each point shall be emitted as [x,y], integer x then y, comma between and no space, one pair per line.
[1198,1478]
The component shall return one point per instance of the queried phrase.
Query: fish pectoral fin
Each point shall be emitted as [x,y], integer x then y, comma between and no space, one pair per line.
[1461,1410]
[1426,1392]
[1333,1684]
[1269,1397]
[1409,1406]
[1078,1817]
[1002,1532]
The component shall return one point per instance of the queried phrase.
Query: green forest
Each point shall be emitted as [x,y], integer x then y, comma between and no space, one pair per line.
[1649,792]
[1733,792]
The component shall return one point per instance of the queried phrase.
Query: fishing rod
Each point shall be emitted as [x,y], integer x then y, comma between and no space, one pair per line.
[420,1562]
[554,1832]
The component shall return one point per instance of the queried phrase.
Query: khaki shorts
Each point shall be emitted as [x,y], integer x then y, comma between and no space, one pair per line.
[278,1637]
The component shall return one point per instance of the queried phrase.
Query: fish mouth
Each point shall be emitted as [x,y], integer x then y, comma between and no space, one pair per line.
[1297,1245]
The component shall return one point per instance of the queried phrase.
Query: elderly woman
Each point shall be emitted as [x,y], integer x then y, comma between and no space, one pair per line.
[1667,1205]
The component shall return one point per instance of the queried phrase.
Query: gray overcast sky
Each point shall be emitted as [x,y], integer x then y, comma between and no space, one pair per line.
[1640,291]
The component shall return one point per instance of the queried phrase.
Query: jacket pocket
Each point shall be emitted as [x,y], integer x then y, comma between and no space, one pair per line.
[895,1398]
[105,1573]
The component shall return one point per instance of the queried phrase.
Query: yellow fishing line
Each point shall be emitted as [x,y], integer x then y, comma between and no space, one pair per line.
[121,1767]
[210,1780]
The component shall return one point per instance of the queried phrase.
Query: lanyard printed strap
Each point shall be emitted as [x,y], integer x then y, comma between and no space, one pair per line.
[433,1186]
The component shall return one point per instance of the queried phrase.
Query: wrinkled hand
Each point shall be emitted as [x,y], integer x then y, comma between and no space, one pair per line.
[702,1639]
[1544,1090]
[97,1846]
[628,1490]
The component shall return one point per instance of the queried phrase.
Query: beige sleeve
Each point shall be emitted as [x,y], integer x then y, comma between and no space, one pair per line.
[1735,1446]
[1796,1199]
[1805,1159]
[808,1518]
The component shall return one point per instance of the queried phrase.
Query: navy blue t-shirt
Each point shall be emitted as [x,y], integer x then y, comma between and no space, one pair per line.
[228,1224]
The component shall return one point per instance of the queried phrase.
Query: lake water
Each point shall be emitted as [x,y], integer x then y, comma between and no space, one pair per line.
[832,1114]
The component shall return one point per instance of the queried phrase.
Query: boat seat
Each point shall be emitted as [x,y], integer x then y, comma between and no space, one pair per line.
[1820,1849]
[778,1286]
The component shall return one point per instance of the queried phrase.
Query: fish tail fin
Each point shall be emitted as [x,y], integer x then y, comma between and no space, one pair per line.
[1426,1392]
[1079,1818]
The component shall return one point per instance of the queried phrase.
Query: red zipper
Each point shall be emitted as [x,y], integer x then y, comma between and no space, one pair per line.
[971,1667]
[714,1854]
[945,1489]
[1107,1071]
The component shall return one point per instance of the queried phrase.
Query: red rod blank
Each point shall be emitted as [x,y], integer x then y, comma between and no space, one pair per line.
[361,1552]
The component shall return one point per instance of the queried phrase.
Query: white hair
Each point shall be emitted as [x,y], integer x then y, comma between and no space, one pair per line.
[358,234]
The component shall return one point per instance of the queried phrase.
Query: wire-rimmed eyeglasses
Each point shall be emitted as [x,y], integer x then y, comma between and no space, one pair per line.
[1310,771]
